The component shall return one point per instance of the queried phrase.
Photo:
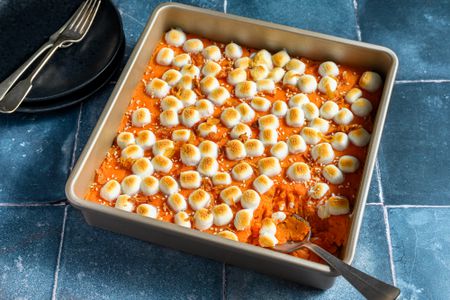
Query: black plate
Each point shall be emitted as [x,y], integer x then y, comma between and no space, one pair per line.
[27,24]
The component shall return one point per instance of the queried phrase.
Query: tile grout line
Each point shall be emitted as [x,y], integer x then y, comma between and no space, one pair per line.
[225,4]
[59,203]
[131,17]
[77,132]
[380,186]
[389,241]
[422,81]
[58,259]
[358,29]
[224,281]
[416,206]
[374,204]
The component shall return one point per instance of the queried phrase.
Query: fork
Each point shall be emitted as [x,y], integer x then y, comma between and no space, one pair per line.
[74,32]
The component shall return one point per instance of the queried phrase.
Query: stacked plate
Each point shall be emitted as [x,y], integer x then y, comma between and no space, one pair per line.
[74,73]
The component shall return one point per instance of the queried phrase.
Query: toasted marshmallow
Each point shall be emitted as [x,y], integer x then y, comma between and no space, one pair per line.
[185,82]
[328,110]
[125,203]
[291,78]
[327,84]
[298,172]
[246,112]
[165,57]
[110,190]
[239,130]
[353,95]
[162,164]
[268,226]
[190,180]
[204,107]
[310,135]
[268,122]
[193,46]
[163,147]
[208,148]
[168,185]
[228,235]
[149,186]
[298,100]
[204,129]
[259,72]
[221,178]
[212,52]
[296,144]
[190,70]
[370,81]
[141,117]
[181,135]
[211,68]
[343,117]
[199,199]
[276,74]
[262,184]
[269,166]
[338,205]
[320,124]
[279,216]
[361,107]
[219,96]
[233,51]
[208,166]
[263,58]
[333,174]
[279,108]
[348,164]
[230,117]
[242,171]
[231,195]
[296,65]
[131,184]
[175,37]
[181,60]
[147,210]
[295,117]
[235,150]
[268,136]
[265,85]
[190,155]
[245,89]
[254,148]
[250,199]
[169,118]
[177,202]
[222,214]
[125,139]
[190,116]
[359,137]
[209,84]
[318,190]
[307,84]
[280,150]
[267,240]
[260,104]
[243,62]
[132,152]
[157,88]
[340,141]
[322,153]
[187,97]
[243,219]
[236,76]
[310,110]
[281,58]
[142,167]
[203,219]
[328,68]
[171,103]
[182,219]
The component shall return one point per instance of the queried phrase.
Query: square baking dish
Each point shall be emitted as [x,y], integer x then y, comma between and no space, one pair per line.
[251,33]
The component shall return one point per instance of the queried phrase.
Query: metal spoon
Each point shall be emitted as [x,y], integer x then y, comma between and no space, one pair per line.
[368,286]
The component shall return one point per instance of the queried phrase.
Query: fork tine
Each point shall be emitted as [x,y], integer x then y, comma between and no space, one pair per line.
[90,18]
[74,23]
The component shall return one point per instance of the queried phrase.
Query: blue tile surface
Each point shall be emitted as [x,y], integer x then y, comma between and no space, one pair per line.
[29,242]
[371,256]
[420,241]
[374,190]
[414,148]
[414,31]
[97,264]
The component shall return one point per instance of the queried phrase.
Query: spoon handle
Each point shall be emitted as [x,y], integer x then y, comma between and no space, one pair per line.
[368,286]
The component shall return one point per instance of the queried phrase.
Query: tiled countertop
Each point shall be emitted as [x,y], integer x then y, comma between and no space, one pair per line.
[48,251]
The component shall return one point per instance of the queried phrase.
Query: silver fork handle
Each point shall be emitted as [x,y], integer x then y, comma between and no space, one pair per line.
[17,94]
[368,286]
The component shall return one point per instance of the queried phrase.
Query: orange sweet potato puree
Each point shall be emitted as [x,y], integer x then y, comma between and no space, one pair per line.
[290,197]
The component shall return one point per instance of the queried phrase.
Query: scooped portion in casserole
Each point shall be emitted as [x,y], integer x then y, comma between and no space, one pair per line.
[232,141]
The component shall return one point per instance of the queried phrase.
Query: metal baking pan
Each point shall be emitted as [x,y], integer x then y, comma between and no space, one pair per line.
[252,33]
